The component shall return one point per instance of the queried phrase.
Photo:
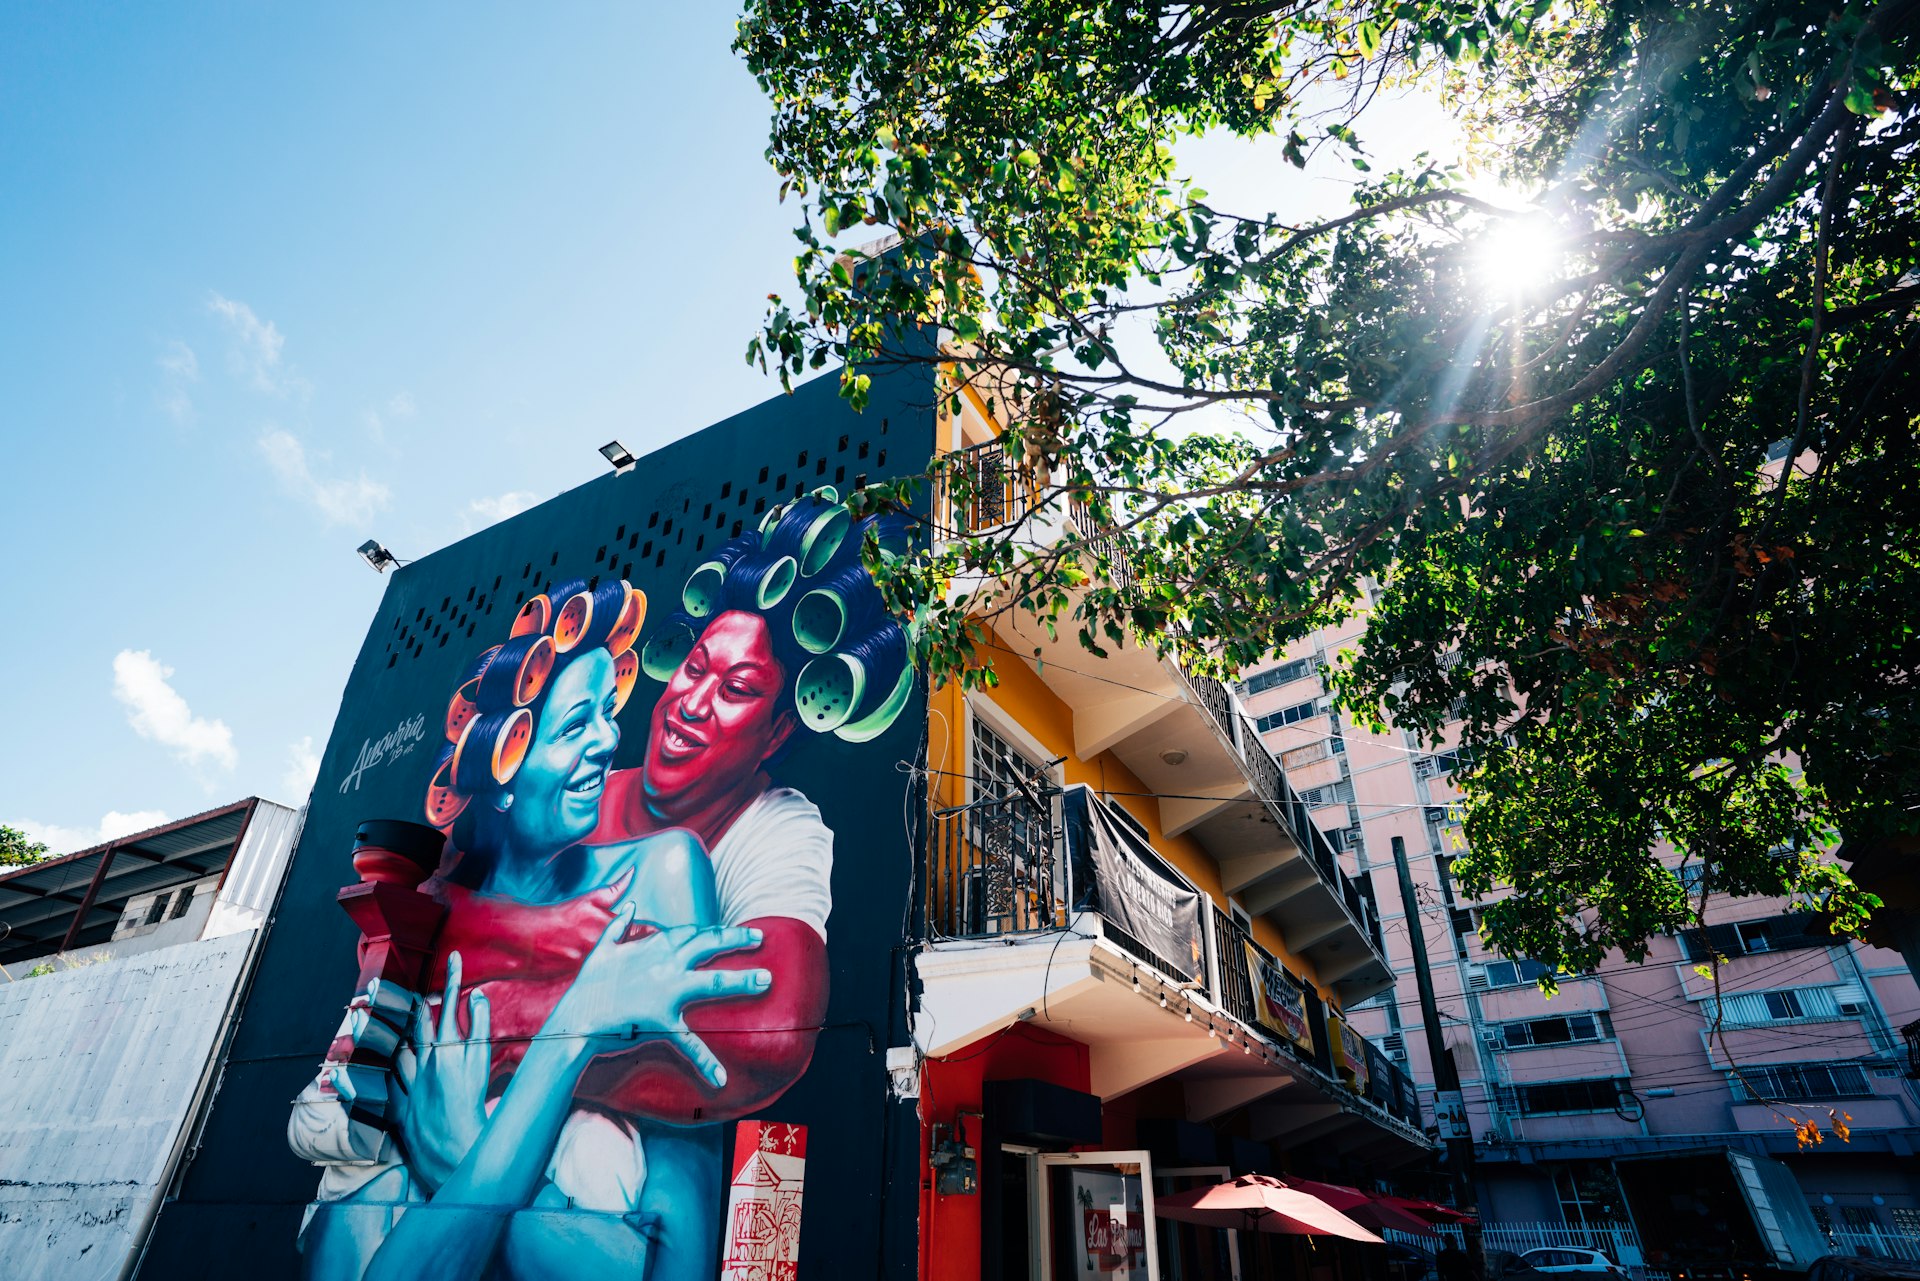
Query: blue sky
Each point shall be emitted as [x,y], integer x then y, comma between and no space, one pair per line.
[281,278]
[278,279]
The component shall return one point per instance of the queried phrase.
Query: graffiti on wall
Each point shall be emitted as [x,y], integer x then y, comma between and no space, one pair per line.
[571,975]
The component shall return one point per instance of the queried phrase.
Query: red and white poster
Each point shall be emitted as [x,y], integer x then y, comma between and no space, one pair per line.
[763,1202]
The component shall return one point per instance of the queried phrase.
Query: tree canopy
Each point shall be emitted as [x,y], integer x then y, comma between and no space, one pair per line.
[17,849]
[1620,460]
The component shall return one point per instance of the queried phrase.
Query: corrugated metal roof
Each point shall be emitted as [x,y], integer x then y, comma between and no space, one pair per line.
[38,903]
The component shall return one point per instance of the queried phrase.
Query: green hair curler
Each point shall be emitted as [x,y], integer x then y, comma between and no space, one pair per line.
[666,650]
[702,591]
[823,538]
[875,724]
[818,620]
[776,582]
[828,689]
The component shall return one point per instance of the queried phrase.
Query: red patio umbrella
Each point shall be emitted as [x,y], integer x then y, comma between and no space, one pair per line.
[1260,1203]
[1431,1211]
[1363,1207]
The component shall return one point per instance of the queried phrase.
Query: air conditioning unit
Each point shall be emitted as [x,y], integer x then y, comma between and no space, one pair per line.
[1493,1040]
[1477,976]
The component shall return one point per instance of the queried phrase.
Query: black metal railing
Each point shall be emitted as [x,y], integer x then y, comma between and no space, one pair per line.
[1214,696]
[1105,544]
[996,870]
[1233,985]
[985,487]
[1135,948]
[1000,867]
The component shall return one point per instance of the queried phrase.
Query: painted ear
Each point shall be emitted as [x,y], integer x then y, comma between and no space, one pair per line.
[783,726]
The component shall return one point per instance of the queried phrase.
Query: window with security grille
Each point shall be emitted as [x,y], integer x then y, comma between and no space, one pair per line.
[1784,1081]
[1596,1026]
[1287,716]
[1784,1005]
[1514,973]
[1010,830]
[1274,677]
[1601,1095]
[1000,771]
[1784,933]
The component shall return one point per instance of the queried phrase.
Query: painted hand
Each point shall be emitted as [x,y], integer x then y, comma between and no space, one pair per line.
[444,1079]
[628,990]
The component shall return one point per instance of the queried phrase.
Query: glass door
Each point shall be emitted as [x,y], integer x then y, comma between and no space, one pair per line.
[1095,1211]
[1189,1252]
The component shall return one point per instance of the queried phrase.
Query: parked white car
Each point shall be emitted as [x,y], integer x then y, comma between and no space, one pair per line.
[1572,1259]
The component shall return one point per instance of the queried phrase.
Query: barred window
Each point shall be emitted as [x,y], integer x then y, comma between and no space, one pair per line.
[1801,1081]
[1287,716]
[1514,973]
[1001,772]
[1274,677]
[1596,1026]
[1601,1095]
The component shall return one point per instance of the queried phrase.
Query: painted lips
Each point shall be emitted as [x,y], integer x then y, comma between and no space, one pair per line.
[676,742]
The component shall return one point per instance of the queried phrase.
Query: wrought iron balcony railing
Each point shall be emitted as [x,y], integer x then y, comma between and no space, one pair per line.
[986,487]
[1002,867]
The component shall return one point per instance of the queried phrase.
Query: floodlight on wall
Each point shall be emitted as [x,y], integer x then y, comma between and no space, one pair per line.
[377,556]
[616,453]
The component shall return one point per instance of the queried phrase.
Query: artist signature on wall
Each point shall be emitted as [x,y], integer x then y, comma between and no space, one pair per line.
[389,747]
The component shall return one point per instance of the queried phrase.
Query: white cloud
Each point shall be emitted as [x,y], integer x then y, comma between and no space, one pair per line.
[482,512]
[65,840]
[257,342]
[343,500]
[157,712]
[179,361]
[180,369]
[303,766]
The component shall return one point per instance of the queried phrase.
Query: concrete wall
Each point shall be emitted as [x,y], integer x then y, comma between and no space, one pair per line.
[99,1067]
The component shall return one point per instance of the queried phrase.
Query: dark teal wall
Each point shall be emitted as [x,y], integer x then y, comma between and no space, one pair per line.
[240,1203]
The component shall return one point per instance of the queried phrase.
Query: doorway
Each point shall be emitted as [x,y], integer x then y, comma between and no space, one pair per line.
[1094,1212]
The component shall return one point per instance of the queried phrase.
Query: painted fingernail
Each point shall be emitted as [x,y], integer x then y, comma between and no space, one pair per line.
[762,979]
[755,936]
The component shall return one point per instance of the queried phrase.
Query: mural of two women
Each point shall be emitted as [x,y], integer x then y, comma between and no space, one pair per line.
[625,958]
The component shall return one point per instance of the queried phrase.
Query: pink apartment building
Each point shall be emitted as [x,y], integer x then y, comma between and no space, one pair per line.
[1610,1115]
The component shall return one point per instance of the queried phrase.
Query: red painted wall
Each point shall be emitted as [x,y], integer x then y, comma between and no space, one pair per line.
[950,1225]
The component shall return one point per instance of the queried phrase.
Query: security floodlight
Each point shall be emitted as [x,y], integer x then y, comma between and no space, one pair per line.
[377,556]
[616,453]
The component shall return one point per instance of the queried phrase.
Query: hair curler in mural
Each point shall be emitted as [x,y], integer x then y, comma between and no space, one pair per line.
[572,975]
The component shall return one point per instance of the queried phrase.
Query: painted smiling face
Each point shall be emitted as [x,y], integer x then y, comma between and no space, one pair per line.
[719,719]
[556,793]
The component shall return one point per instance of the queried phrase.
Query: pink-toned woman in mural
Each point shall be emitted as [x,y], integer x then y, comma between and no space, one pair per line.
[626,957]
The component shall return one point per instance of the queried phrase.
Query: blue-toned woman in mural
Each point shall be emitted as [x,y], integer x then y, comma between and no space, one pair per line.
[627,957]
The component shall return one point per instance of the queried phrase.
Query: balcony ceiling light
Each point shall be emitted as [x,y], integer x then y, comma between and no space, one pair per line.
[1174,756]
